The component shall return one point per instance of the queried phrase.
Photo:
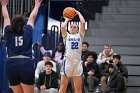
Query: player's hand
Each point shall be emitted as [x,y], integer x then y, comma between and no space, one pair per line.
[66,18]
[86,63]
[4,2]
[77,12]
[38,3]
[108,58]
[43,87]
[90,73]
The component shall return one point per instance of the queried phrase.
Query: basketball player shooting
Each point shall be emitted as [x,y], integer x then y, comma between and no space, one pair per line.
[72,64]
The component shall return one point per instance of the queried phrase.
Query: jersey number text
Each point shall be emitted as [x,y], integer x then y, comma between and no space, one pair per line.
[18,41]
[74,45]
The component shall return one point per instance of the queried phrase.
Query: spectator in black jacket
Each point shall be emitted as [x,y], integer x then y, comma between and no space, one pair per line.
[121,67]
[85,46]
[91,71]
[48,80]
[115,81]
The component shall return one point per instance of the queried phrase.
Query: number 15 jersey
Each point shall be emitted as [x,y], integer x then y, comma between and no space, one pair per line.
[73,47]
[19,44]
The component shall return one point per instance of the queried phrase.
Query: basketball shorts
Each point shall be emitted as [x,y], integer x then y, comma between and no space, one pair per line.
[72,68]
[20,70]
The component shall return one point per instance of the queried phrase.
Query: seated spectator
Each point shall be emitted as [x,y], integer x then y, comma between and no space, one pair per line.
[115,81]
[48,80]
[58,55]
[103,61]
[85,50]
[121,67]
[103,72]
[41,65]
[106,55]
[91,71]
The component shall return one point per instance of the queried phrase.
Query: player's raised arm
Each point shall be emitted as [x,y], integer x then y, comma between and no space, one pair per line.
[63,27]
[34,13]
[5,13]
[82,20]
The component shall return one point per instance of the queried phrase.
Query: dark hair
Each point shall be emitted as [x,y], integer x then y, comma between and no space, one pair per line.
[86,43]
[110,65]
[49,63]
[93,54]
[17,24]
[117,56]
[63,50]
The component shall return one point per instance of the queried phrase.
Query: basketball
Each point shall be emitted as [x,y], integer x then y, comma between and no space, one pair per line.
[69,12]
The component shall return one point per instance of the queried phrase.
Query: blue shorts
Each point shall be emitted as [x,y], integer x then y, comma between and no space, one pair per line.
[20,70]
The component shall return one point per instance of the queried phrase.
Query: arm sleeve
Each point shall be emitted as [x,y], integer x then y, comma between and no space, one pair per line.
[85,71]
[7,31]
[29,27]
[99,59]
[42,49]
[39,81]
[124,71]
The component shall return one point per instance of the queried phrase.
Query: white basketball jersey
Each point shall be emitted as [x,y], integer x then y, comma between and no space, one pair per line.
[73,45]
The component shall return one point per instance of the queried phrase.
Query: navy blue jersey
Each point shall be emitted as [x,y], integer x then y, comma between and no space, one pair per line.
[19,44]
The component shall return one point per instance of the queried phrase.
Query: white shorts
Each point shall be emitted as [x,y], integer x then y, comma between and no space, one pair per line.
[72,68]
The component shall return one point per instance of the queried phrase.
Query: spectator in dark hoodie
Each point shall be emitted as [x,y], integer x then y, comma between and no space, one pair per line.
[115,81]
[90,68]
[121,67]
[48,80]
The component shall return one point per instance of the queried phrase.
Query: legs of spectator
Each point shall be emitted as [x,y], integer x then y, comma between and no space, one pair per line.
[44,91]
[53,90]
[103,83]
[17,89]
[92,82]
[96,81]
[58,67]
[77,84]
[63,84]
[36,90]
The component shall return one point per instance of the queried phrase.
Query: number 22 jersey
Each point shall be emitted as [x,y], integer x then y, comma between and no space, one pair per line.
[73,46]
